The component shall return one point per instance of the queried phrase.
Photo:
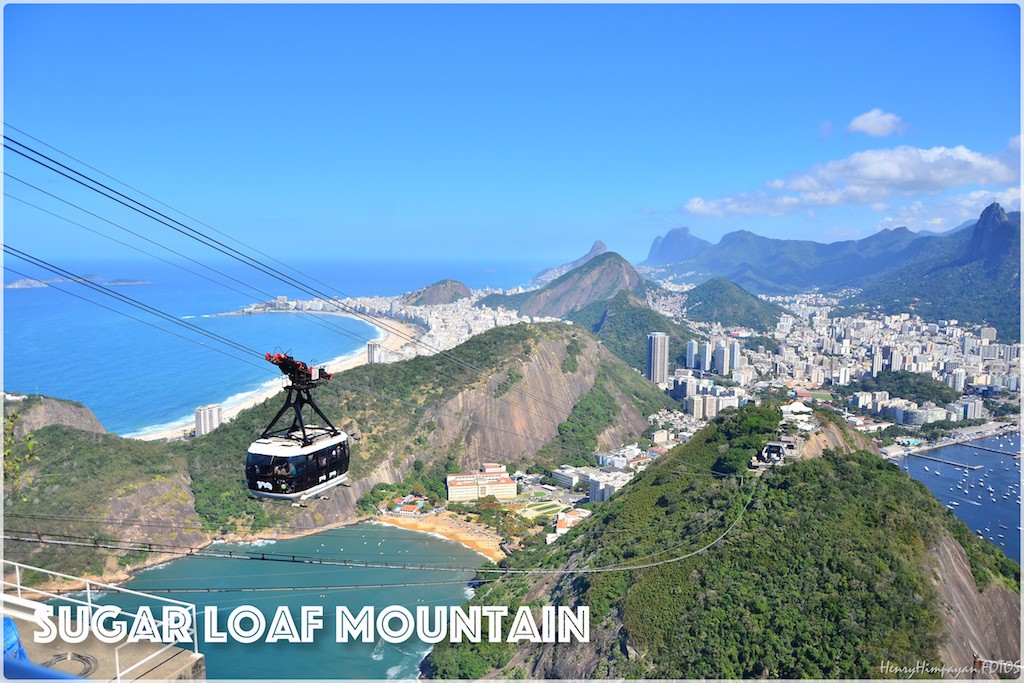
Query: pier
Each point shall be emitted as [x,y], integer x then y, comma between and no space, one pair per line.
[996,450]
[946,462]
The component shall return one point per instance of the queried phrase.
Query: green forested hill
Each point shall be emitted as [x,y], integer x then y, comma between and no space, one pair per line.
[912,386]
[623,323]
[826,574]
[89,475]
[721,301]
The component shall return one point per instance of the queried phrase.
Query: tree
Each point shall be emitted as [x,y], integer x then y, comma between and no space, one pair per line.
[18,452]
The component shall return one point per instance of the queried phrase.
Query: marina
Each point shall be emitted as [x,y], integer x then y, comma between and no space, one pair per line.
[984,488]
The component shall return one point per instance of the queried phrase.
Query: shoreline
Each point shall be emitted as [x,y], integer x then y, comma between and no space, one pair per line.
[487,544]
[388,341]
[985,431]
[119,577]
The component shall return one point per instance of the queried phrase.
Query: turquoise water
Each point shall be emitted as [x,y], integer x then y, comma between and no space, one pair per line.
[995,514]
[323,658]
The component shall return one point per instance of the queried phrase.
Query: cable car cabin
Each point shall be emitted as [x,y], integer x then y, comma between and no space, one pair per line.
[301,460]
[281,467]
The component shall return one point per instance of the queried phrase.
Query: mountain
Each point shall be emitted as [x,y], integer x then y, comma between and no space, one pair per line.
[550,274]
[718,300]
[823,568]
[599,279]
[529,396]
[765,265]
[972,276]
[623,322]
[963,226]
[676,246]
[443,292]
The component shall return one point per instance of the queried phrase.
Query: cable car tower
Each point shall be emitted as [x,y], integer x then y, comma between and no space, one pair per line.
[300,460]
[303,379]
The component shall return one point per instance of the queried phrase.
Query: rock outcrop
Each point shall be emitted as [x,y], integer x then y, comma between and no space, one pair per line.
[36,412]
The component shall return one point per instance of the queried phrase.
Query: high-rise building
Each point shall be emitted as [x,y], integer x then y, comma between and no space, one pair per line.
[876,363]
[988,333]
[895,361]
[657,357]
[695,406]
[705,356]
[374,352]
[721,359]
[207,418]
[692,348]
[734,355]
[959,379]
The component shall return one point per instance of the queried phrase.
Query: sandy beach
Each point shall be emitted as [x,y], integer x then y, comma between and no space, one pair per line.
[473,536]
[390,342]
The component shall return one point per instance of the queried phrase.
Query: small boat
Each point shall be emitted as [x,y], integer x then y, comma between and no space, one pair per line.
[954,503]
[926,468]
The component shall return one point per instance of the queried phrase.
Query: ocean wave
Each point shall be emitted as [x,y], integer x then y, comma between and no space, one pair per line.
[393,671]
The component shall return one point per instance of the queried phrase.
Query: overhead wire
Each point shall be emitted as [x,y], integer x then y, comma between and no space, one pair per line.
[238,255]
[183,551]
[251,261]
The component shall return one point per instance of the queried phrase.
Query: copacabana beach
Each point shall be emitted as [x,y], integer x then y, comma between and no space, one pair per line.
[392,339]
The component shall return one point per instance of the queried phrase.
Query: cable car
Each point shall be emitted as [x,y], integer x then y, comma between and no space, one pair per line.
[301,460]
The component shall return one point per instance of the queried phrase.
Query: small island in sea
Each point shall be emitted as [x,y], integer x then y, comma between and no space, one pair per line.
[32,283]
[124,283]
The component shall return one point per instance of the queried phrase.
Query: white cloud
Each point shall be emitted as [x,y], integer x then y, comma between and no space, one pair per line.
[1015,143]
[873,178]
[950,211]
[877,123]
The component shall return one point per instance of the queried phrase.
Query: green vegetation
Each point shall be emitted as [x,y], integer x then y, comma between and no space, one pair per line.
[18,452]
[506,384]
[770,344]
[724,302]
[827,574]
[572,352]
[623,323]
[424,480]
[489,512]
[933,431]
[576,442]
[912,386]
[75,474]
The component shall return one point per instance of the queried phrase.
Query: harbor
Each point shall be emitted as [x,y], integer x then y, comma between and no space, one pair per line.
[979,482]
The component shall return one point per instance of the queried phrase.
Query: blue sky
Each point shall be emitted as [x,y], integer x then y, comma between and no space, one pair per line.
[526,132]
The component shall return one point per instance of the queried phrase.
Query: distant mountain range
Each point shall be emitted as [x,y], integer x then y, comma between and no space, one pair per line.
[970,273]
[719,300]
[554,272]
[675,247]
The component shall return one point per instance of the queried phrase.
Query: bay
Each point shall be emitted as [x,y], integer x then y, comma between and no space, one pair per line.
[304,584]
[996,513]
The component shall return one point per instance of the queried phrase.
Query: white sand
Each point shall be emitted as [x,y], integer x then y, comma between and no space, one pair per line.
[390,341]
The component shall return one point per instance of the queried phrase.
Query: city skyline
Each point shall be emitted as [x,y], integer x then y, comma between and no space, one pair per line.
[491,131]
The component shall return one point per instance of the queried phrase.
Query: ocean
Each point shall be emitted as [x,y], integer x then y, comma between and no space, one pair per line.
[303,584]
[995,514]
[137,379]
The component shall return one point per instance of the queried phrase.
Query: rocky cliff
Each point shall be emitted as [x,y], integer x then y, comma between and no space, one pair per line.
[36,412]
